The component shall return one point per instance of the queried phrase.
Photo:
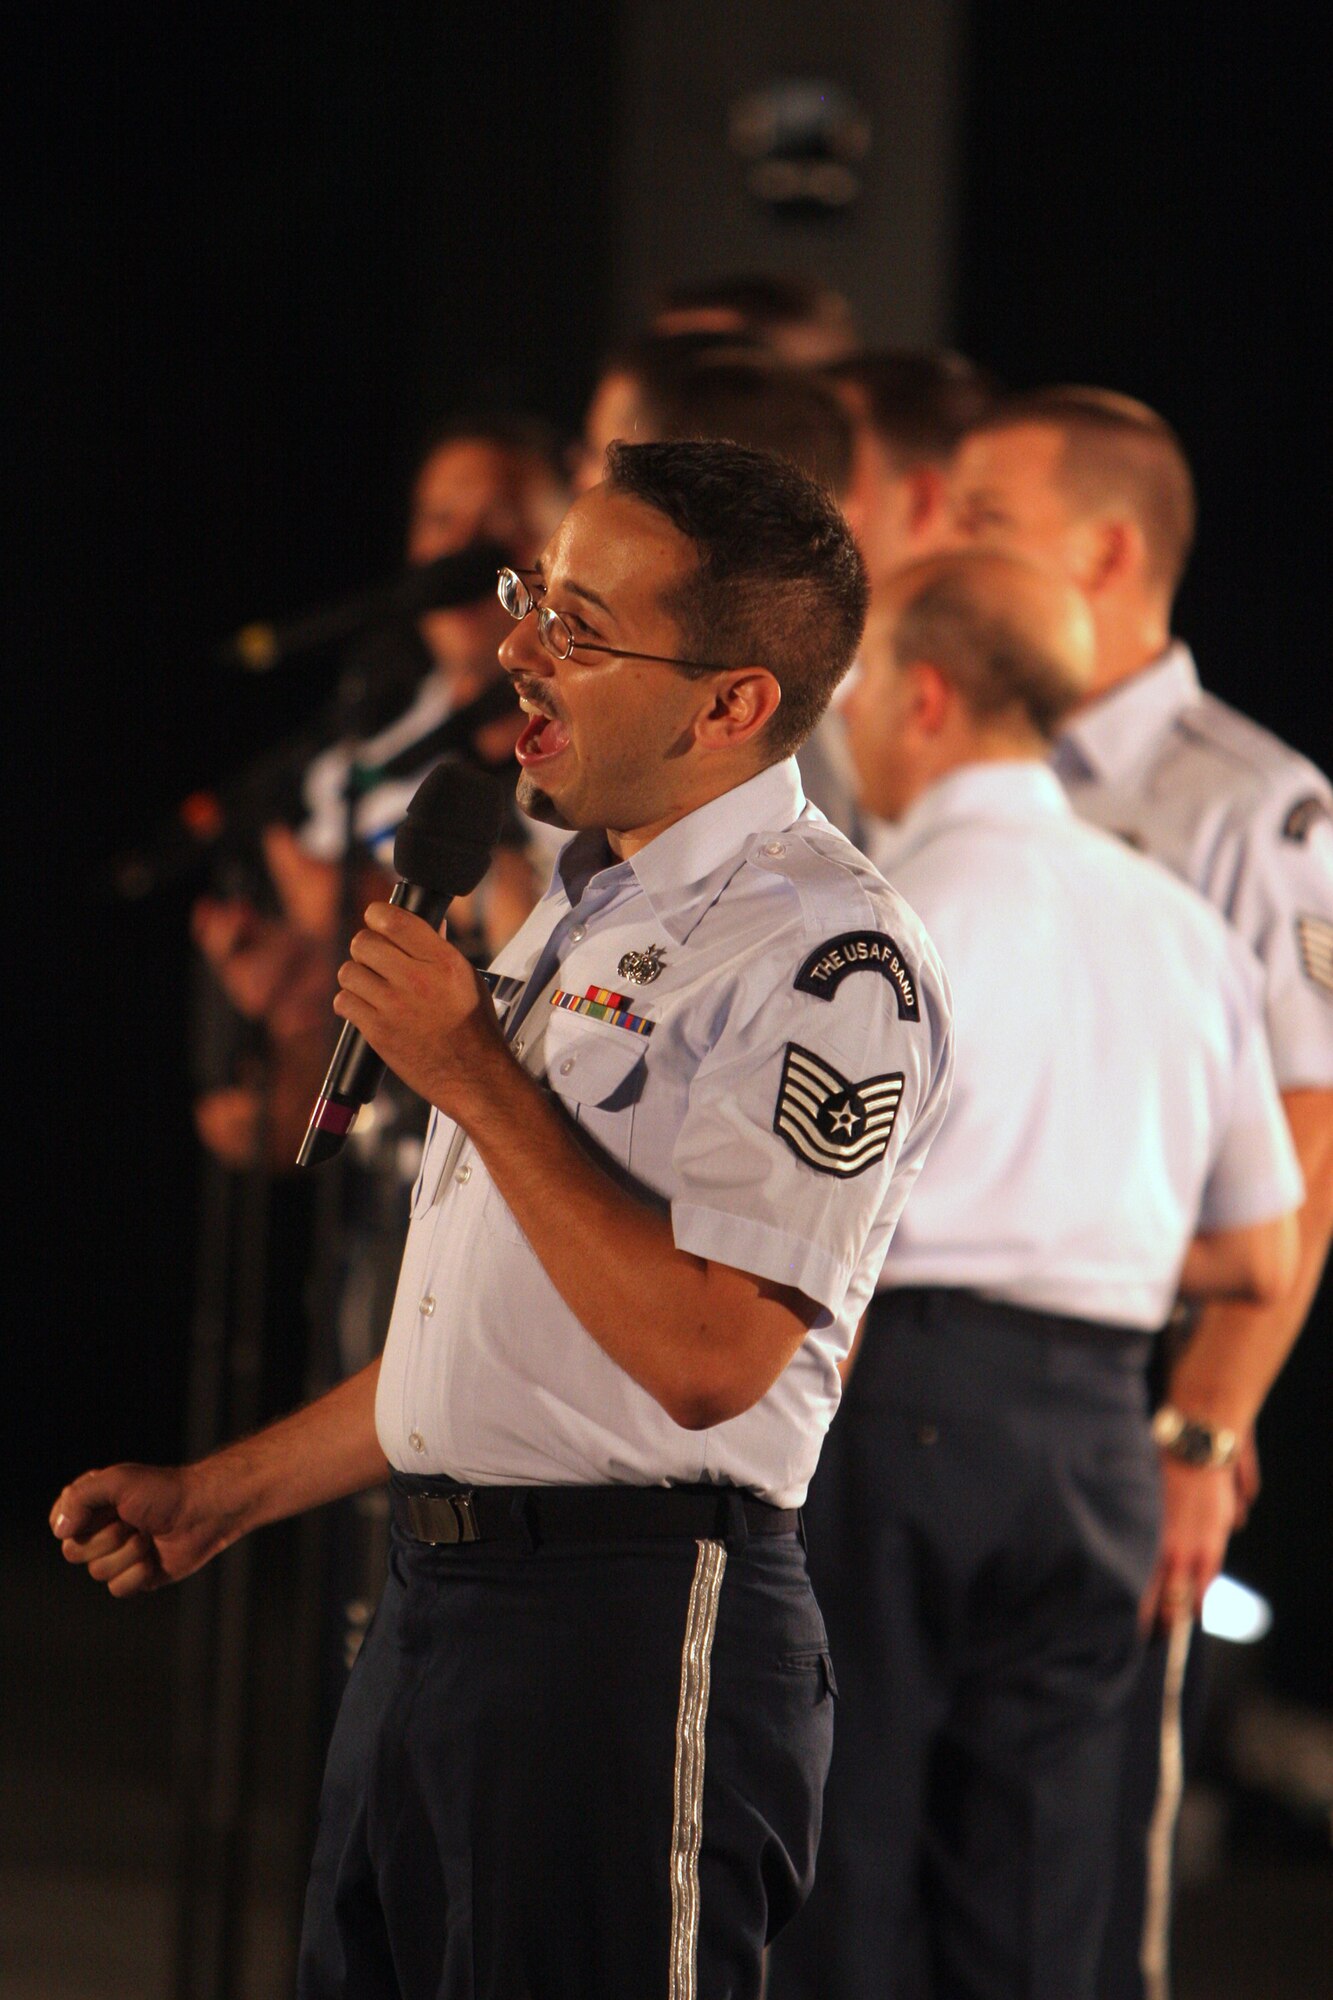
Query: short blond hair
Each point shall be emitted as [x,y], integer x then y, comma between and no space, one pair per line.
[1117,453]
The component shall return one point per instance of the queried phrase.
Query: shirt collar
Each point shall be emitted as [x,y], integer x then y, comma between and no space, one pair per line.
[1114,735]
[1007,789]
[685,869]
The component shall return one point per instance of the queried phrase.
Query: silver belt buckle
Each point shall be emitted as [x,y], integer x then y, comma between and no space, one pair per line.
[443,1519]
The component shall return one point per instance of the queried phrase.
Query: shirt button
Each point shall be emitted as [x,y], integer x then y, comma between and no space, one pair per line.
[427,1306]
[773,847]
[417,1442]
[577,935]
[463,1176]
[567,1065]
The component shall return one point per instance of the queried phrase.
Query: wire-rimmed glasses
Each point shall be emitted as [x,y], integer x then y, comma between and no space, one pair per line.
[518,599]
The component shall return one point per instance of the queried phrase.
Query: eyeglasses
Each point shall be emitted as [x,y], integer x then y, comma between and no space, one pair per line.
[518,600]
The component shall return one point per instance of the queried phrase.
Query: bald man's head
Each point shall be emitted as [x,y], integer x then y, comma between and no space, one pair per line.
[969,657]
[1013,638]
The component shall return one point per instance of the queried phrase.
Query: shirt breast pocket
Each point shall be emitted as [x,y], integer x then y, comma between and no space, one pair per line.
[597,1073]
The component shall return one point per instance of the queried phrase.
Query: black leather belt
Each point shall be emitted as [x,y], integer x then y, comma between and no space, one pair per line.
[450,1515]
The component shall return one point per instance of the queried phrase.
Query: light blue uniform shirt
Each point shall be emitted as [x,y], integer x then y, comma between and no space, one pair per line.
[1242,818]
[768,1062]
[1112,1088]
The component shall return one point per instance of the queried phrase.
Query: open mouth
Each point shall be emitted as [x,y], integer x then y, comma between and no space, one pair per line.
[542,737]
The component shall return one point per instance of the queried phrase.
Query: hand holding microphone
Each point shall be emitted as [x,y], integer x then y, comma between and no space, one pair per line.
[405,987]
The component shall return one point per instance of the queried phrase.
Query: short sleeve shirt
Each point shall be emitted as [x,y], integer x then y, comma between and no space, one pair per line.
[1112,1088]
[753,1031]
[1240,817]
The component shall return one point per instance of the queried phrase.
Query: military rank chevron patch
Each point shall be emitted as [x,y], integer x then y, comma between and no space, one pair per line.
[835,1126]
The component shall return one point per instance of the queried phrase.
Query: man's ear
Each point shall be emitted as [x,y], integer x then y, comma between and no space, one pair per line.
[932,697]
[1109,550]
[927,498]
[743,703]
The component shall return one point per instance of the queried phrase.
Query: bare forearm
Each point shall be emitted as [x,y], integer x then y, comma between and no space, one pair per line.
[1237,1351]
[1253,1265]
[322,1452]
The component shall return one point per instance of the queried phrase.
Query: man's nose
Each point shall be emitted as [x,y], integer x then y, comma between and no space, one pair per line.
[522,652]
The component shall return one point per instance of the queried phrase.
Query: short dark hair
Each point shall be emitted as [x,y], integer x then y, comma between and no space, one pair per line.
[779,583]
[1117,452]
[764,303]
[920,404]
[754,402]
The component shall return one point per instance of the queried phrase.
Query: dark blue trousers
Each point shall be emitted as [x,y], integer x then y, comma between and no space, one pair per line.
[982,1524]
[577,1773]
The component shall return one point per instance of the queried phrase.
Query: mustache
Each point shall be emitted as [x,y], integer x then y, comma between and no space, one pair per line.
[535,693]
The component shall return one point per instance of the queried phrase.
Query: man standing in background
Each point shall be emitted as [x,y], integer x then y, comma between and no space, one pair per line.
[488,478]
[1098,485]
[984,1525]
[909,410]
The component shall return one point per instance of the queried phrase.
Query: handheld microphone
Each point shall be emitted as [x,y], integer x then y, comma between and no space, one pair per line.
[465,577]
[442,850]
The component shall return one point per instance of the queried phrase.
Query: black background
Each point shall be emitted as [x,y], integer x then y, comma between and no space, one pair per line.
[254,252]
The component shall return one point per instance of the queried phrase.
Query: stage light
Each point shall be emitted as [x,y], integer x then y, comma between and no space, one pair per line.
[1233,1611]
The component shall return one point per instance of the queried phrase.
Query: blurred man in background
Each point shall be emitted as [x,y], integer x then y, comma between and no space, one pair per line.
[480,479]
[909,411]
[661,386]
[804,324]
[1098,485]
[491,478]
[983,1529]
[689,386]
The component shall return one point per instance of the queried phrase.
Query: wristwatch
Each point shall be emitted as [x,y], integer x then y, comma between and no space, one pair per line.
[1192,1442]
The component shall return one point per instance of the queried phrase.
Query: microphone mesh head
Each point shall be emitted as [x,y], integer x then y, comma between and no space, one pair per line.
[451,827]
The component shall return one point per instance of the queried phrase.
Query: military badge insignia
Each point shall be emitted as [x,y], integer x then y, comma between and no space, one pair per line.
[835,1126]
[642,967]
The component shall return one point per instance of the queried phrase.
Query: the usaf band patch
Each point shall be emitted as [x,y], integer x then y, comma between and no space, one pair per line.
[835,1126]
[1315,937]
[860,951]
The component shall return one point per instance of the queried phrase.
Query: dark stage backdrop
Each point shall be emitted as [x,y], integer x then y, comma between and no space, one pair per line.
[1140,199]
[258,250]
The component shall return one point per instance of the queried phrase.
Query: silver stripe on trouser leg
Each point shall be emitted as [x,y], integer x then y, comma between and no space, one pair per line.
[1154,1951]
[688,1809]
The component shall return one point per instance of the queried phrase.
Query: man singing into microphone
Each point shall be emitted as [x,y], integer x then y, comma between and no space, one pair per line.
[583,1750]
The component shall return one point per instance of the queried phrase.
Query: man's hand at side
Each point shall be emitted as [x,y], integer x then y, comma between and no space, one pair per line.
[1198,1517]
[136,1527]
